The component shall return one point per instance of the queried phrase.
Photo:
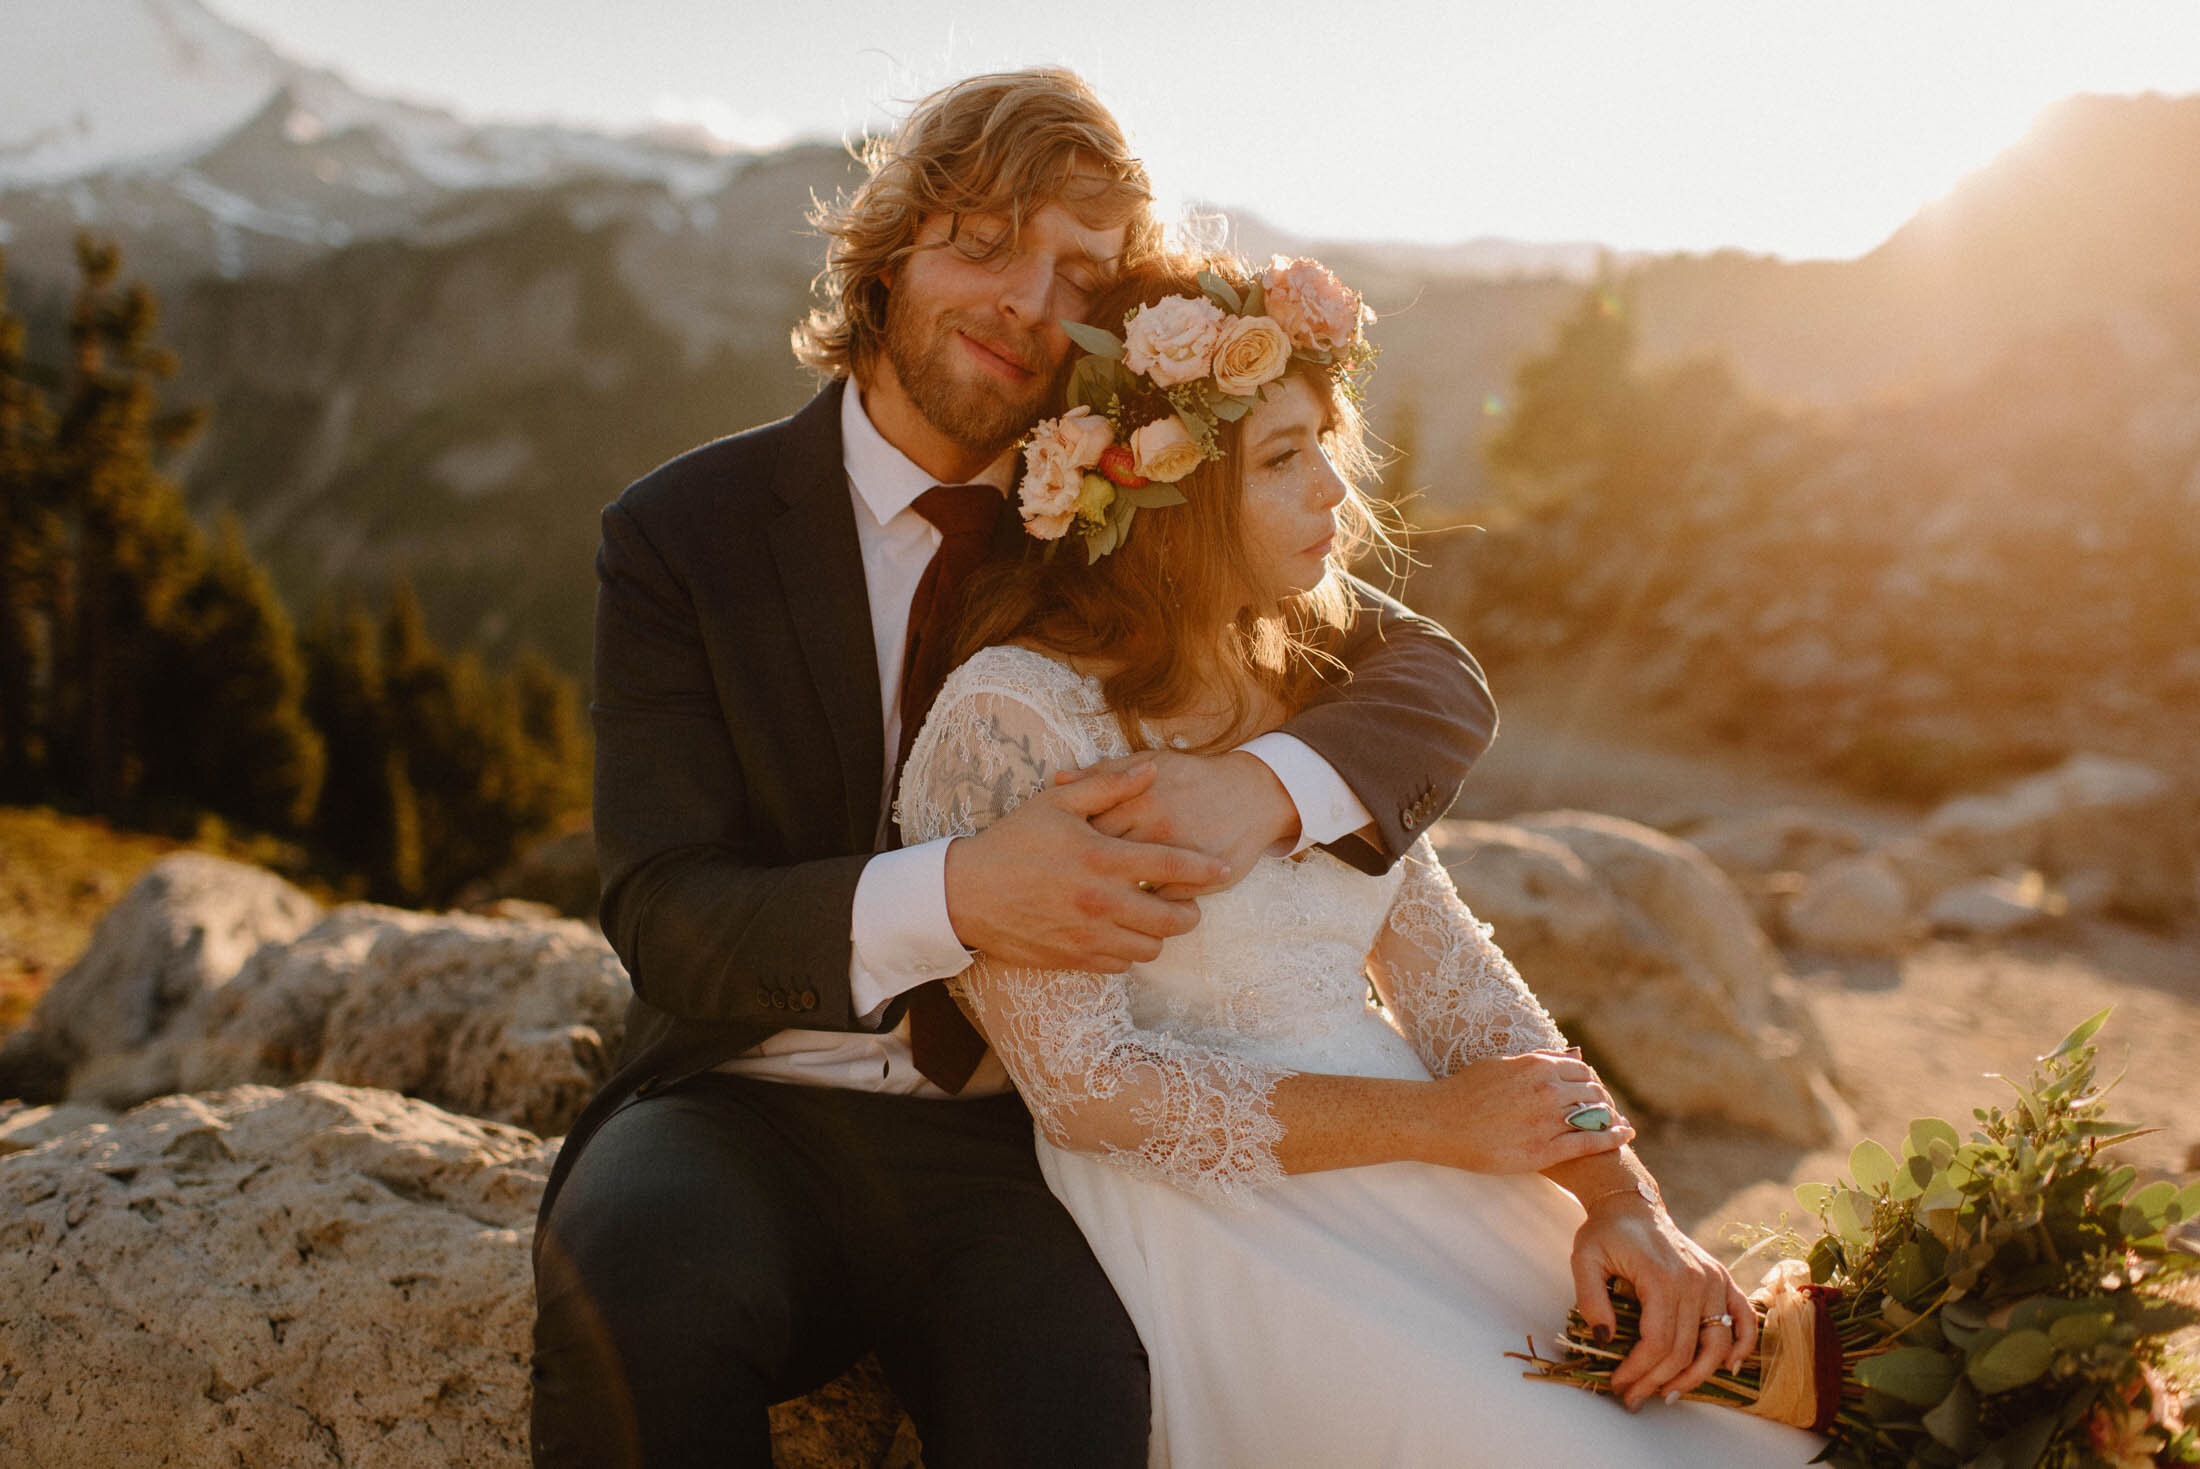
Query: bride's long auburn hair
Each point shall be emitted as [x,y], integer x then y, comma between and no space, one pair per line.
[1174,613]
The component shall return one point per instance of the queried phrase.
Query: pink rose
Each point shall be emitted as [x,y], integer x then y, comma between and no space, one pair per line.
[1173,341]
[1319,311]
[1165,451]
[1253,350]
[1055,461]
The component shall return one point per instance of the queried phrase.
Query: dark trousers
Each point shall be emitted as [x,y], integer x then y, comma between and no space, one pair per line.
[726,1244]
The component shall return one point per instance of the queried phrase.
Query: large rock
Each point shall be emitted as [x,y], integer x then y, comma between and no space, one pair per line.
[1858,905]
[27,1127]
[2111,820]
[181,931]
[323,1275]
[318,1276]
[1994,906]
[1781,839]
[1770,855]
[511,1020]
[1645,952]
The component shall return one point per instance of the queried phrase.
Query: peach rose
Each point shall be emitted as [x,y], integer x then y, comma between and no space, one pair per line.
[1055,461]
[1253,350]
[1165,451]
[1173,341]
[1320,312]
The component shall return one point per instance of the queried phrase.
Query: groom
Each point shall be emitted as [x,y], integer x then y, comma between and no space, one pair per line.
[806,1153]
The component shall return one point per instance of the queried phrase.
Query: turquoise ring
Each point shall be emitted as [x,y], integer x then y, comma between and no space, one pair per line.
[1590,1117]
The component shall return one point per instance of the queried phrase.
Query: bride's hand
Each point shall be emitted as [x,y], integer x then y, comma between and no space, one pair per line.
[1683,1292]
[1508,1114]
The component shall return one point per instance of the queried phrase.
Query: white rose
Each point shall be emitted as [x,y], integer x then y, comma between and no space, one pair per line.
[1253,350]
[1164,451]
[1173,341]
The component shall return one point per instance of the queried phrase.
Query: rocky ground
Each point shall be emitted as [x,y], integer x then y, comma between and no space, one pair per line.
[1914,1033]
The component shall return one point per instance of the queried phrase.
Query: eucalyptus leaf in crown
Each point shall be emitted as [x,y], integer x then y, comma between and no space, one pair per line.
[1146,408]
[2005,1300]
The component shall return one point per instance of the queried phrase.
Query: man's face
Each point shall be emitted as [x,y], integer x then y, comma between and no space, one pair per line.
[973,336]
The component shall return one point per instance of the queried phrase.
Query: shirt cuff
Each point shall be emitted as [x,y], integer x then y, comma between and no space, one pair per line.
[903,936]
[1327,807]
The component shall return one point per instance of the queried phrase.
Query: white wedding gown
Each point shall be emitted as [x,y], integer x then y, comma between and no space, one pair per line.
[1353,1317]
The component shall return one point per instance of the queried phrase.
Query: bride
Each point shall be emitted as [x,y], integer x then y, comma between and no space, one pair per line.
[1324,1216]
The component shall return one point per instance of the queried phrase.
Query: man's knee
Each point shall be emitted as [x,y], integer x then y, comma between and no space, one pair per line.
[676,1294]
[666,1233]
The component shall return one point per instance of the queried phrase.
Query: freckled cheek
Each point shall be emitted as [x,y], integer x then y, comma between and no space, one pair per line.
[1267,523]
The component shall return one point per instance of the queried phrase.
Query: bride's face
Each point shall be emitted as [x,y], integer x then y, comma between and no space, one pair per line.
[1292,491]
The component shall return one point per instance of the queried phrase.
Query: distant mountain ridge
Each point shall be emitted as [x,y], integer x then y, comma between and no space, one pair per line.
[205,151]
[436,349]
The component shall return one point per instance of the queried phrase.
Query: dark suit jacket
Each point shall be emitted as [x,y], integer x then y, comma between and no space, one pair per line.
[739,748]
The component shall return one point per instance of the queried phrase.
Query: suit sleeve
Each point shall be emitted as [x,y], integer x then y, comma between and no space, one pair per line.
[1403,729]
[707,928]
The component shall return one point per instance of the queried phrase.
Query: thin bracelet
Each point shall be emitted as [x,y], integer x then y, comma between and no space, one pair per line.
[1640,1188]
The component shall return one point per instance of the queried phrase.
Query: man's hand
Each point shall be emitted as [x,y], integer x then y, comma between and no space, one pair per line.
[1679,1285]
[1041,889]
[1229,806]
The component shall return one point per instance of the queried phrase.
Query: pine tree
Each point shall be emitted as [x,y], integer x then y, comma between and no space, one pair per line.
[555,739]
[489,763]
[30,543]
[226,728]
[444,717]
[365,817]
[1570,404]
[129,544]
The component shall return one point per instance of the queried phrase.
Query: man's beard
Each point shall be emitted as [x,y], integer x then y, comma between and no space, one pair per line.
[982,416]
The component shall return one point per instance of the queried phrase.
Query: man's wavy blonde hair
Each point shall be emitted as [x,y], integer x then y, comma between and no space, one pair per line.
[1006,144]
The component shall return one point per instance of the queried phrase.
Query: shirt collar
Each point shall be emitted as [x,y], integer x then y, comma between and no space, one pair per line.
[885,479]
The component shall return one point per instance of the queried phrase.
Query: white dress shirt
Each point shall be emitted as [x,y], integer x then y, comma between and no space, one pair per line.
[901,931]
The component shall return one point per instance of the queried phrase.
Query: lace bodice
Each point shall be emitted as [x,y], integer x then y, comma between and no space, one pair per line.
[1168,1069]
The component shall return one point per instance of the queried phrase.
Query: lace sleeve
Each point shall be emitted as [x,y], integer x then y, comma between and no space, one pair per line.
[1187,1115]
[1455,993]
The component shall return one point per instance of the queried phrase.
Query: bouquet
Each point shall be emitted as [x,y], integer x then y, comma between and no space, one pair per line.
[2001,1301]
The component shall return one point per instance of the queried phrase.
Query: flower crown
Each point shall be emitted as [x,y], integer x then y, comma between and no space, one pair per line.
[1147,408]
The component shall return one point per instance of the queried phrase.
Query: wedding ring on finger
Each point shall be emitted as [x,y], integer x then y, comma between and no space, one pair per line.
[1147,887]
[1589,1117]
[1724,1318]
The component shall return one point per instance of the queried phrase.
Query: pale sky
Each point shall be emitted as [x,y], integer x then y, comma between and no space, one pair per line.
[1801,127]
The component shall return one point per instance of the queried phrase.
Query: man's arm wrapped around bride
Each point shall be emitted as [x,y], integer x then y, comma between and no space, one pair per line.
[1233,1124]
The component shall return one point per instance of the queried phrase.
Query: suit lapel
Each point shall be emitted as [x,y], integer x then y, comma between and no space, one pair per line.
[820,565]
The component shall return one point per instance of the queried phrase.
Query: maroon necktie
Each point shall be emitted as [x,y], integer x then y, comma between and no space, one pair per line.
[942,1042]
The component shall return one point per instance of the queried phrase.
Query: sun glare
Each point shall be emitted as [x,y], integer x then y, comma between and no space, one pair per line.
[1806,131]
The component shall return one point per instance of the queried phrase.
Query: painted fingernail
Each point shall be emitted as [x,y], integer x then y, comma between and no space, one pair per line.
[1603,1335]
[1672,1397]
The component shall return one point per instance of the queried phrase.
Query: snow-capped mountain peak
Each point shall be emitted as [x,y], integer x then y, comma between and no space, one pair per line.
[93,84]
[193,140]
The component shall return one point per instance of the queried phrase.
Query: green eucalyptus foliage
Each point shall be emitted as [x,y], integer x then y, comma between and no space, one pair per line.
[2020,1280]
